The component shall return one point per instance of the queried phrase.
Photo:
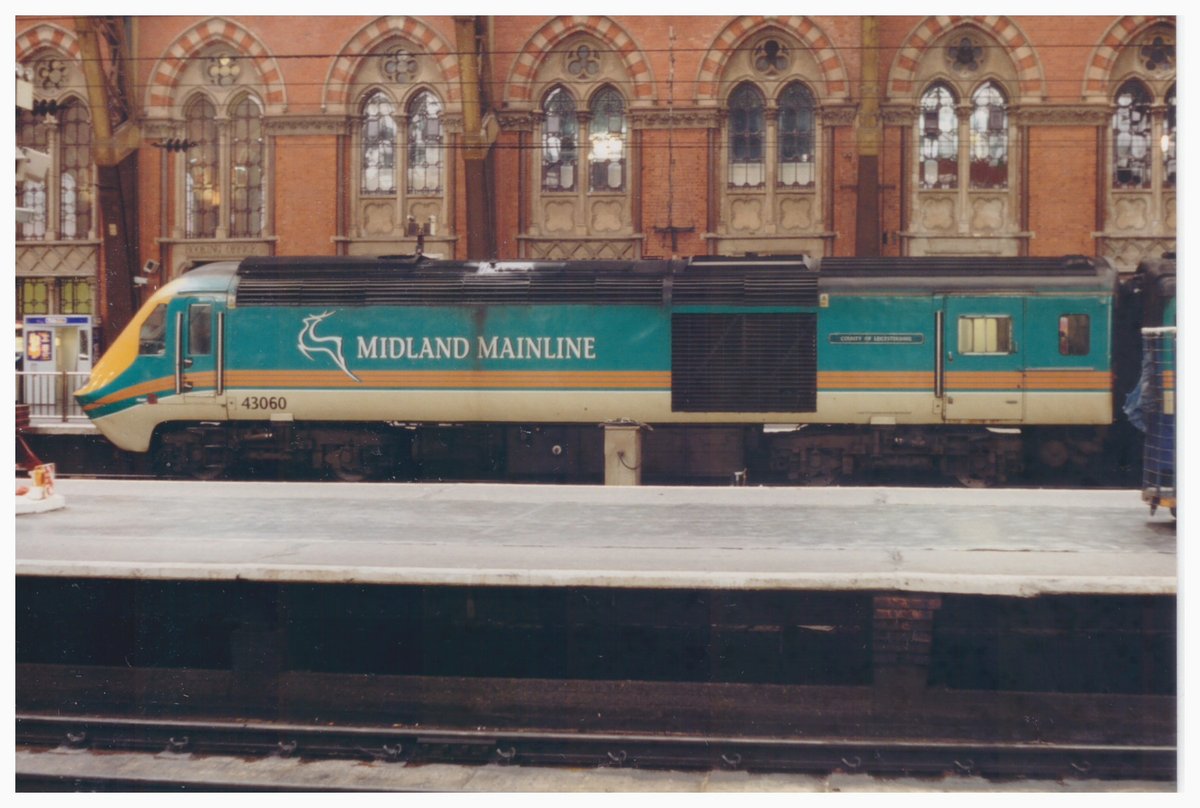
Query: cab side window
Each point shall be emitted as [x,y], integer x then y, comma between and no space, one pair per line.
[152,339]
[1074,335]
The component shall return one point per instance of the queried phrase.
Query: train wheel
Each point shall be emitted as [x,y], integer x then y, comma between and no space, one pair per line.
[356,463]
[977,470]
[198,453]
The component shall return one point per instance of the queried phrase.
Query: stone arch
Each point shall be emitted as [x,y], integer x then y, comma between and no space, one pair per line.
[833,70]
[1031,79]
[164,79]
[519,87]
[1103,59]
[339,82]
[47,36]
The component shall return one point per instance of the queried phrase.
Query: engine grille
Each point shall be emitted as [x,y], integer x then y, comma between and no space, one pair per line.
[744,362]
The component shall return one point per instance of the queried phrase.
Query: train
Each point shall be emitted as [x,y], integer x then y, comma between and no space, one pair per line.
[762,368]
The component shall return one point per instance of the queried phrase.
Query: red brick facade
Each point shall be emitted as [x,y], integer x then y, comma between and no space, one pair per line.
[311,78]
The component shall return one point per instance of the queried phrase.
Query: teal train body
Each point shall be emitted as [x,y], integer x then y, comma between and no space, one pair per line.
[780,365]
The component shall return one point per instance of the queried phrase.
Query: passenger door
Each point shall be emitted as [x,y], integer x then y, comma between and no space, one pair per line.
[199,356]
[982,364]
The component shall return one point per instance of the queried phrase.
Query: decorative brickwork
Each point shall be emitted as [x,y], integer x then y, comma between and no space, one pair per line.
[162,90]
[734,35]
[519,87]
[902,78]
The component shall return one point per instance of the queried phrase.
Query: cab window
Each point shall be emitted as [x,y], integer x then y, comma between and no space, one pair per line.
[152,339]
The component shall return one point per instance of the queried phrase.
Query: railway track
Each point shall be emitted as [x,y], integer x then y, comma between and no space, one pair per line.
[413,745]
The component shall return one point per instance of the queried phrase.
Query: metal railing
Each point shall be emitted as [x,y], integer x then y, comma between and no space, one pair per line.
[49,394]
[1158,403]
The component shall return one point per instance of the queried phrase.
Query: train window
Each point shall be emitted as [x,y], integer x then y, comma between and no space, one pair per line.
[152,338]
[200,329]
[985,335]
[1074,335]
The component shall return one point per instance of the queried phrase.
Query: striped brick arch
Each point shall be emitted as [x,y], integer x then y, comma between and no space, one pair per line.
[46,36]
[1122,33]
[712,66]
[519,87]
[339,82]
[1030,77]
[164,80]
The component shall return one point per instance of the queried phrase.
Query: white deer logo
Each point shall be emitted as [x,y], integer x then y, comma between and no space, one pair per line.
[309,343]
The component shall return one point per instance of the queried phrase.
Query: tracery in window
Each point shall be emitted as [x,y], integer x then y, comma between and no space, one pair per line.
[964,55]
[796,136]
[246,184]
[1131,136]
[939,138]
[747,130]
[583,62]
[31,194]
[425,144]
[75,160]
[378,145]
[606,133]
[202,179]
[560,136]
[1168,138]
[771,58]
[989,138]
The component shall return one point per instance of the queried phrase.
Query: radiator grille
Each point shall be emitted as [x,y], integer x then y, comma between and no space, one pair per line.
[743,363]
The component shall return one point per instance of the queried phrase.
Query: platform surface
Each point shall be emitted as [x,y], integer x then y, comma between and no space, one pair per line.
[1010,542]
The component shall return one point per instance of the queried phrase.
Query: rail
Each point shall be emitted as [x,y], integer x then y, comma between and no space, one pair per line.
[49,394]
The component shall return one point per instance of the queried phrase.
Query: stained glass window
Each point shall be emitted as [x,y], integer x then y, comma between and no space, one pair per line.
[939,138]
[560,137]
[989,138]
[796,136]
[1131,136]
[378,145]
[202,180]
[747,129]
[606,131]
[246,184]
[425,144]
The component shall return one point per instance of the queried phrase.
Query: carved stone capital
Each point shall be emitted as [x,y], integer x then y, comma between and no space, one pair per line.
[517,121]
[689,118]
[1063,115]
[898,114]
[837,115]
[287,125]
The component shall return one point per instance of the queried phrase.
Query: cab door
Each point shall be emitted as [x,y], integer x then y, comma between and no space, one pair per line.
[199,356]
[982,370]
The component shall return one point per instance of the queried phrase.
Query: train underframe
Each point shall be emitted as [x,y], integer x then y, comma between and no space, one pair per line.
[975,456]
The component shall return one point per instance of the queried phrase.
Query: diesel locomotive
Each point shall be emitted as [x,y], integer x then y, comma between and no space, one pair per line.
[774,368]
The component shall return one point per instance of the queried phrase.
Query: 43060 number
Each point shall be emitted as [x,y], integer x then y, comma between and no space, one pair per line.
[264,403]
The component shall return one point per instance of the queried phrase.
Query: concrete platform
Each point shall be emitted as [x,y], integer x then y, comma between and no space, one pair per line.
[1014,542]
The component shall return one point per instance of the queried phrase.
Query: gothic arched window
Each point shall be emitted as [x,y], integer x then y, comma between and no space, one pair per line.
[246,184]
[606,131]
[378,169]
[989,137]
[1168,144]
[747,133]
[75,165]
[425,144]
[939,138]
[560,138]
[202,178]
[1131,136]
[796,136]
